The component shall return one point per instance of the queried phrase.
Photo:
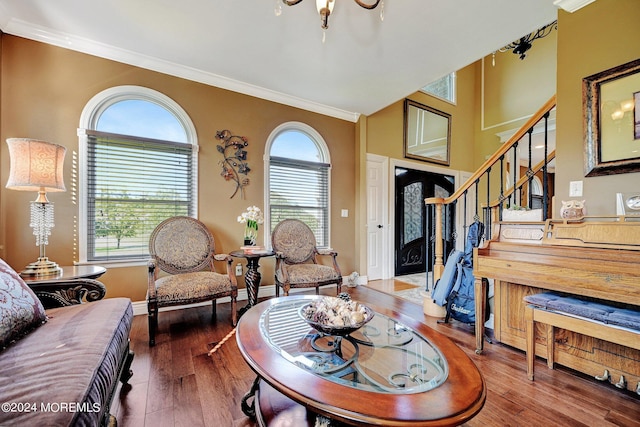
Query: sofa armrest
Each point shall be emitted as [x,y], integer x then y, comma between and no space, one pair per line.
[68,292]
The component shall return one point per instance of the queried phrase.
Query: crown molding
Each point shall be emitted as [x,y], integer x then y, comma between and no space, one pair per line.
[27,30]
[571,5]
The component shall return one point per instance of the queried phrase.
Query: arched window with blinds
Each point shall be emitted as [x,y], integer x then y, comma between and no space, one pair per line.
[138,154]
[298,179]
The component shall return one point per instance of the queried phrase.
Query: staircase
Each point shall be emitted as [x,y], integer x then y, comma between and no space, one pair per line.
[486,195]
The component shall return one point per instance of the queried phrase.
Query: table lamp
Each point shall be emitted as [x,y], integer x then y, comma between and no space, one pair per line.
[37,166]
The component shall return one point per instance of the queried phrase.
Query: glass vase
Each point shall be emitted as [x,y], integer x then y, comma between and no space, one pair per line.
[251,233]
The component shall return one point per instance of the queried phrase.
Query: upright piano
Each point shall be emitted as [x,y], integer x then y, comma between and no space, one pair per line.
[593,257]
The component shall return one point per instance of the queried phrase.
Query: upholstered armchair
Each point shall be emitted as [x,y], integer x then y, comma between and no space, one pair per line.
[297,259]
[183,248]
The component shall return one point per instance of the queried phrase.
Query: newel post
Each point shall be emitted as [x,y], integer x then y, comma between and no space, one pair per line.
[438,262]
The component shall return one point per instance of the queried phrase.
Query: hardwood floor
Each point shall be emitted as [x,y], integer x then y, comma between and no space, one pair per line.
[175,383]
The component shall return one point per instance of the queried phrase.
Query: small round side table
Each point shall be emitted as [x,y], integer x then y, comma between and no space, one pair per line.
[252,276]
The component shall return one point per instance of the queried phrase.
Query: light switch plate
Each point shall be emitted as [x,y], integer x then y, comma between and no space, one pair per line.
[575,189]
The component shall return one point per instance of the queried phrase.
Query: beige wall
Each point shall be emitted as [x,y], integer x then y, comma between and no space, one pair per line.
[510,91]
[44,91]
[385,127]
[596,38]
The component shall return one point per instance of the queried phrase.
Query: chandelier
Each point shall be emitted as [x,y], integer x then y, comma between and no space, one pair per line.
[520,47]
[325,8]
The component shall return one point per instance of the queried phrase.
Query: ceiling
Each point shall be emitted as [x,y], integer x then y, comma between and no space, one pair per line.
[241,45]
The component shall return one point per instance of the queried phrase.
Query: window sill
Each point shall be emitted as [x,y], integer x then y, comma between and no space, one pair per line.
[138,262]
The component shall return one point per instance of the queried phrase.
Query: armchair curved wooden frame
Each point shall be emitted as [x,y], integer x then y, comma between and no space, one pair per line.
[297,257]
[184,249]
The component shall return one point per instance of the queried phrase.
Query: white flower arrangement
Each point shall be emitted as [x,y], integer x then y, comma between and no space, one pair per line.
[251,218]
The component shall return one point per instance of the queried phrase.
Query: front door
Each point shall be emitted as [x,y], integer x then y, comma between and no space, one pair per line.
[411,234]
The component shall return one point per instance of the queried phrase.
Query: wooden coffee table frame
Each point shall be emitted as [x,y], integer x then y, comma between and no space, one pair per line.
[456,401]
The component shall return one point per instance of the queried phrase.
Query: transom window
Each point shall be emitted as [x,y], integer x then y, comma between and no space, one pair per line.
[138,159]
[298,167]
[444,88]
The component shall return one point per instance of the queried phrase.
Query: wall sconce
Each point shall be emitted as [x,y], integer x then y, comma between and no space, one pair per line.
[38,166]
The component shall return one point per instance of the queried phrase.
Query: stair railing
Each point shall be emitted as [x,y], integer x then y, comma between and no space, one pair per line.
[496,197]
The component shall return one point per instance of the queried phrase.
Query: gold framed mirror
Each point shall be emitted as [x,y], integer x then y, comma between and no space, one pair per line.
[427,133]
[611,104]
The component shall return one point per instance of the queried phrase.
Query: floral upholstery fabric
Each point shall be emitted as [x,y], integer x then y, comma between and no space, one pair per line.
[294,240]
[181,245]
[191,287]
[20,309]
[308,273]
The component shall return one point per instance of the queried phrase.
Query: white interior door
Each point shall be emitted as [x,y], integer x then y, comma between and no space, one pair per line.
[377,217]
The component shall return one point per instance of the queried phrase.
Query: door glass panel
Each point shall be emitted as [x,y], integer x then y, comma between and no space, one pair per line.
[413,212]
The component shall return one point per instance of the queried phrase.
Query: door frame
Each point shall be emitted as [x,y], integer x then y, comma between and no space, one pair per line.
[393,163]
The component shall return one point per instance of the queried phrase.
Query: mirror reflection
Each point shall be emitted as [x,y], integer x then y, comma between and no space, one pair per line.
[427,133]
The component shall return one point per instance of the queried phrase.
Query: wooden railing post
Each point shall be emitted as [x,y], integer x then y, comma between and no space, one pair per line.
[438,263]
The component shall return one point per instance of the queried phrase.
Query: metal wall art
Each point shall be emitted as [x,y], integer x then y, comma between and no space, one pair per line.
[234,165]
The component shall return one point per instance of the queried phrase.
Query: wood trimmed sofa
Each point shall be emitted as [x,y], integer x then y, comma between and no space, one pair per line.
[61,366]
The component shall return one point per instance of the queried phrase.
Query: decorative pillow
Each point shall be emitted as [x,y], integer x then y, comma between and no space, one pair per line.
[20,309]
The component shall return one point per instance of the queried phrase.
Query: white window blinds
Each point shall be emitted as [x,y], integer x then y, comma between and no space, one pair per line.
[299,189]
[133,184]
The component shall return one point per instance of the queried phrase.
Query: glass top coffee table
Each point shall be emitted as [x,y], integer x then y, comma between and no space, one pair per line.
[392,371]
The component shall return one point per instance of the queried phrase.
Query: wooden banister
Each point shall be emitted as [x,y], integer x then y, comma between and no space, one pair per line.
[539,115]
[439,203]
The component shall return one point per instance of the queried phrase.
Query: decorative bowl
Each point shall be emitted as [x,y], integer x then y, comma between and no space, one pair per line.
[334,329]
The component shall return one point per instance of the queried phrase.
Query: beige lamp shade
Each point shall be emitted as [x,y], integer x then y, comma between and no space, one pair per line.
[35,165]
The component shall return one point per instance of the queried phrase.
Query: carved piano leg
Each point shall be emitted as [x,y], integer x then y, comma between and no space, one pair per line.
[604,377]
[622,384]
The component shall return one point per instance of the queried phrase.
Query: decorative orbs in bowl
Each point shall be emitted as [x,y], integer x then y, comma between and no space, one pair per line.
[336,316]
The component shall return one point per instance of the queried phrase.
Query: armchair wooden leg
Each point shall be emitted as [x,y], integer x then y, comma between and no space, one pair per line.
[234,311]
[214,309]
[152,308]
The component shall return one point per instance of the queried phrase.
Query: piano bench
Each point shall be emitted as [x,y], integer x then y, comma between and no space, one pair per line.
[605,322]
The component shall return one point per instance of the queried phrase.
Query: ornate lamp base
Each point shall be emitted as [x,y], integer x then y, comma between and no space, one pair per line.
[42,267]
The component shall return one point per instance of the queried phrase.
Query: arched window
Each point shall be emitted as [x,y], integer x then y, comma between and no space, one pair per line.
[298,174]
[138,154]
